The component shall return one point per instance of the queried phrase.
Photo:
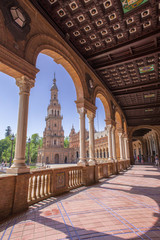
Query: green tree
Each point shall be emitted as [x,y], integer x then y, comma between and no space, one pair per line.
[8,131]
[5,149]
[32,147]
[66,142]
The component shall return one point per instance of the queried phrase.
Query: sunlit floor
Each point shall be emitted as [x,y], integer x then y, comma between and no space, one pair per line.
[121,207]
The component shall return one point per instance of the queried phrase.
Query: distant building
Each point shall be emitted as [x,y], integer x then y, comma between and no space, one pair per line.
[53,151]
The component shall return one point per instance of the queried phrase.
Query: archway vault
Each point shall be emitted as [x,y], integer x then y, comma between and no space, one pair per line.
[42,43]
[101,94]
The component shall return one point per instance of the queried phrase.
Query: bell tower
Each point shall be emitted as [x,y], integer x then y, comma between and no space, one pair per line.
[54,133]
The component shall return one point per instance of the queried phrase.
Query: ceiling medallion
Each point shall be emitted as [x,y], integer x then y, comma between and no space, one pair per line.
[82,41]
[99,22]
[107,4]
[69,24]
[76,33]
[129,5]
[87,28]
[146,24]
[108,40]
[18,16]
[116,27]
[130,20]
[52,1]
[145,13]
[87,48]
[93,11]
[112,16]
[73,5]
[81,18]
[93,36]
[97,44]
[61,12]
[104,32]
[132,30]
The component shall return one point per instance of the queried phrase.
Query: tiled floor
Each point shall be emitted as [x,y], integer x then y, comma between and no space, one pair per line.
[121,207]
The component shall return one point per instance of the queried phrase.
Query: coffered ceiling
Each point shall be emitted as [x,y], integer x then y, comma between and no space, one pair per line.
[120,41]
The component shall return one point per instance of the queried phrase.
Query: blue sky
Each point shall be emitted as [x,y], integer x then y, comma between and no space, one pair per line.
[39,100]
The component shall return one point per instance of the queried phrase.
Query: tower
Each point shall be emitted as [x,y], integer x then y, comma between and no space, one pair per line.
[53,150]
[53,134]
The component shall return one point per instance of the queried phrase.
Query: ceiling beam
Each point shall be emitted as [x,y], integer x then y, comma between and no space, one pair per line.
[127,59]
[143,117]
[139,88]
[140,106]
[125,47]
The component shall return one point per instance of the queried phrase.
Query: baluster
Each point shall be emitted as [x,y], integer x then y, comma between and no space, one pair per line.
[46,185]
[39,187]
[34,188]
[79,177]
[69,179]
[76,177]
[30,190]
[72,178]
[42,186]
[49,184]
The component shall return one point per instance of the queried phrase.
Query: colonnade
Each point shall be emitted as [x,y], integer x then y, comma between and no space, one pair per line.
[146,147]
[111,127]
[19,166]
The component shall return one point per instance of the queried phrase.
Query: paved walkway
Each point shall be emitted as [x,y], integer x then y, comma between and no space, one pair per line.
[121,207]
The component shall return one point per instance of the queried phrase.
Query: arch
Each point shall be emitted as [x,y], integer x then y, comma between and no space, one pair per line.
[56,158]
[118,120]
[50,46]
[125,127]
[133,129]
[100,93]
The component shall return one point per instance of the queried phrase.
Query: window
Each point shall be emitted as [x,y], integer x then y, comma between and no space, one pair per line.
[54,142]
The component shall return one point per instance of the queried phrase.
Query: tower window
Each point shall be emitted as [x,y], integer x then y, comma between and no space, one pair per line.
[54,142]
[54,96]
[58,113]
[55,125]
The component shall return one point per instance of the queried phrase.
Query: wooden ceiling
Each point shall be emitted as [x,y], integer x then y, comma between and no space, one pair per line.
[120,41]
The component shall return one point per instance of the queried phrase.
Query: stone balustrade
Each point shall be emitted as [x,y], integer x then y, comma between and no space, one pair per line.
[18,192]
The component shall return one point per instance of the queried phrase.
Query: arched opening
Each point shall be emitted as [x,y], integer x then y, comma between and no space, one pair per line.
[9,98]
[118,132]
[56,158]
[65,96]
[65,160]
[145,145]
[103,114]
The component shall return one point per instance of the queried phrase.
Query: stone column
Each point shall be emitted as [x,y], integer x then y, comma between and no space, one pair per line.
[91,116]
[82,140]
[114,144]
[121,145]
[126,148]
[109,127]
[19,166]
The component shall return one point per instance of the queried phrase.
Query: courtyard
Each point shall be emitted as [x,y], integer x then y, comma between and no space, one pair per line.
[125,206]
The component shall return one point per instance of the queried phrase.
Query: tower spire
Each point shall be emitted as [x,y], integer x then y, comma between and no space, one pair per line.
[54,86]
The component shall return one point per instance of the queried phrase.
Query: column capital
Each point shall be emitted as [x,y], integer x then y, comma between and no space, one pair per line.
[25,84]
[90,115]
[110,122]
[81,110]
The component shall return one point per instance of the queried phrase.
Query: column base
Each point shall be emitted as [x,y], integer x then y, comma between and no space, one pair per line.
[82,163]
[91,162]
[16,170]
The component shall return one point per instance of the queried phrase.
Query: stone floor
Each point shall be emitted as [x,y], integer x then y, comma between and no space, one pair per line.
[121,207]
